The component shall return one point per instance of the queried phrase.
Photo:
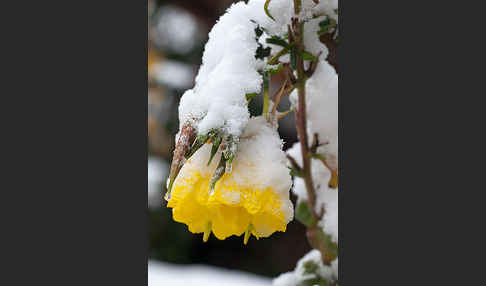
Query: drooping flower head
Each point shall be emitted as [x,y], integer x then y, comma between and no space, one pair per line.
[253,198]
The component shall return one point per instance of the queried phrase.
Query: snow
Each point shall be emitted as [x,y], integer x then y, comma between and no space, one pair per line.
[312,43]
[283,10]
[322,110]
[326,197]
[229,71]
[158,171]
[329,222]
[329,273]
[160,273]
[322,103]
[286,279]
[327,7]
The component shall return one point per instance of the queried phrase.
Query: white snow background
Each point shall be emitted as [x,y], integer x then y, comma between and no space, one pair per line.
[160,273]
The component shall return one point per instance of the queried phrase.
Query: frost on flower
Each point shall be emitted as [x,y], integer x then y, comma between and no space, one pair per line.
[309,271]
[252,199]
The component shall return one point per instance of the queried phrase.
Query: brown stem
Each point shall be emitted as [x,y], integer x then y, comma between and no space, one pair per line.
[318,240]
[315,235]
[301,119]
[297,4]
[183,146]
[294,163]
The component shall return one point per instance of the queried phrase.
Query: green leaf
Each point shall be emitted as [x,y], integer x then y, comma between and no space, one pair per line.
[198,143]
[265,7]
[310,267]
[276,40]
[229,152]
[326,26]
[304,215]
[218,173]
[295,173]
[266,80]
[325,22]
[216,141]
[250,96]
[332,247]
[308,56]
[314,282]
[266,84]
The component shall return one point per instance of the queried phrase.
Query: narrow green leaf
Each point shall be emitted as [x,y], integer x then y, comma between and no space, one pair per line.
[218,173]
[303,214]
[250,96]
[277,41]
[295,173]
[216,141]
[265,7]
[266,85]
[308,56]
[229,152]
[331,247]
[326,26]
[198,143]
[325,22]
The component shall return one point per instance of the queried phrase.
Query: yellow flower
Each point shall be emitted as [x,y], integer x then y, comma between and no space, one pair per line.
[252,199]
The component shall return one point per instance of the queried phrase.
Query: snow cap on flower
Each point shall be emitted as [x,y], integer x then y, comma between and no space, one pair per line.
[228,72]
[252,199]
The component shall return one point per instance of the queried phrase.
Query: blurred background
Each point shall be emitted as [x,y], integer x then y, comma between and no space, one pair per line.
[177,33]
